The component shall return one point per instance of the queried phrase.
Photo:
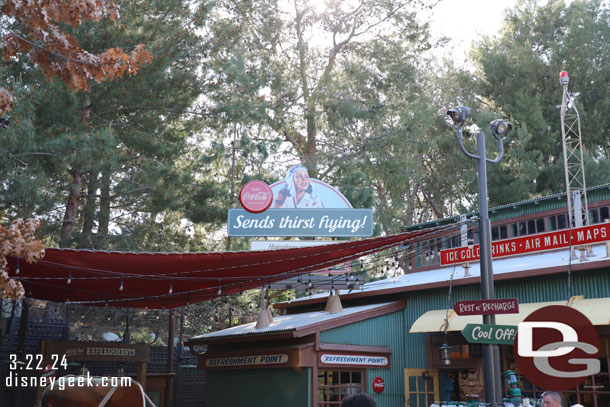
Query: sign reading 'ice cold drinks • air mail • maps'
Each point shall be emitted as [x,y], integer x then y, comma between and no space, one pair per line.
[532,243]
[302,206]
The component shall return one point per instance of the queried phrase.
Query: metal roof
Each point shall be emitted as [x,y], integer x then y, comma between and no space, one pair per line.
[502,266]
[288,323]
[535,201]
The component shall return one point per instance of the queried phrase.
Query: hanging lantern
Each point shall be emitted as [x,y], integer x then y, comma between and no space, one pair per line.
[445,353]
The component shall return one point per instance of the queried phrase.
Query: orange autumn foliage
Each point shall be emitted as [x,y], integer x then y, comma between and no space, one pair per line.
[18,240]
[6,101]
[59,54]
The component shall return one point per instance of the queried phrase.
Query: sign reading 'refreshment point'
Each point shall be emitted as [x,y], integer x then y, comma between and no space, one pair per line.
[359,360]
[528,244]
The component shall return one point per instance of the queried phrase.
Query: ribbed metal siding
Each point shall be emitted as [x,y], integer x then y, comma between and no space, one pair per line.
[528,210]
[417,304]
[598,195]
[536,289]
[386,330]
[409,350]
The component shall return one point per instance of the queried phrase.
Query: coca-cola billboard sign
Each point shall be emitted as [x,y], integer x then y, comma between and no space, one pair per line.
[256,196]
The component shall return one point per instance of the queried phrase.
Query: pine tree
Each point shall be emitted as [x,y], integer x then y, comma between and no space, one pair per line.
[119,148]
[519,76]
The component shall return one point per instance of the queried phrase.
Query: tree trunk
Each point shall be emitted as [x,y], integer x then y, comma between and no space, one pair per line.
[103,218]
[89,209]
[67,227]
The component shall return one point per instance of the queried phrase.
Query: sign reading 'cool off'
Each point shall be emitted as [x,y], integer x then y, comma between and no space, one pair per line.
[301,222]
[485,333]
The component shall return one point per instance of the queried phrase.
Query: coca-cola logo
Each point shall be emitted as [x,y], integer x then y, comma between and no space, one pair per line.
[378,385]
[256,196]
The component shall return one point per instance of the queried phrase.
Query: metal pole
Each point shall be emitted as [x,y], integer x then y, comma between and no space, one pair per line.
[127,334]
[169,387]
[491,355]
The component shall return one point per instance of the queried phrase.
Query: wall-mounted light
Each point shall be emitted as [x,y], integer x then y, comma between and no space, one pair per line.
[425,374]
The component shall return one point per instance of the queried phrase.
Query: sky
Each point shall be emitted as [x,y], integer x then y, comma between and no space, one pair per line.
[466,20]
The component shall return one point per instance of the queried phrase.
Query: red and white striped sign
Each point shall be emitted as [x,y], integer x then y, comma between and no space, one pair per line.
[528,244]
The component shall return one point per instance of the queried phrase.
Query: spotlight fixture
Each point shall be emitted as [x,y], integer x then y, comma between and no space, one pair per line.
[500,128]
[459,115]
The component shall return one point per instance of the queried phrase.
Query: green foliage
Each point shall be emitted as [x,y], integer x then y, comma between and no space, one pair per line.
[126,140]
[518,74]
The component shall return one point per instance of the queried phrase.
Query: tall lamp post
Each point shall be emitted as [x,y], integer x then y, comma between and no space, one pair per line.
[491,354]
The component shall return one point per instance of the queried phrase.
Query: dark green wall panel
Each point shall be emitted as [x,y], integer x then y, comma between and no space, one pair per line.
[259,387]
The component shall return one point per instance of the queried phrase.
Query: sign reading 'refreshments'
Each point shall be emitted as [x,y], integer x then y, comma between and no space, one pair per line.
[529,244]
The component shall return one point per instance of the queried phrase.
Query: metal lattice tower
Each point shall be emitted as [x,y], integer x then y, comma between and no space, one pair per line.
[576,187]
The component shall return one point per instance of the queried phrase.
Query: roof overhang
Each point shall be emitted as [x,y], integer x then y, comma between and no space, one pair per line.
[596,309]
[295,326]
[436,280]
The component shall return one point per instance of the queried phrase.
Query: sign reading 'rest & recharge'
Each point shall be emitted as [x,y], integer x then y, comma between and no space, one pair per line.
[301,222]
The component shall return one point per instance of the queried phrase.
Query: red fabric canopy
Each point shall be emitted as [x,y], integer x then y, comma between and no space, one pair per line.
[158,280]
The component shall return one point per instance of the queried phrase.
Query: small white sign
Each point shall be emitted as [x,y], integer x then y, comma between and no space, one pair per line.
[288,244]
[367,360]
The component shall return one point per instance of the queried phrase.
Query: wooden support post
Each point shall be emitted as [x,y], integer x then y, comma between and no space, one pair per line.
[141,374]
[42,349]
[23,327]
[169,387]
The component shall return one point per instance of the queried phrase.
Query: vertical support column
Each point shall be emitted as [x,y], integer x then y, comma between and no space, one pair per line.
[141,374]
[127,334]
[169,387]
[23,327]
[491,353]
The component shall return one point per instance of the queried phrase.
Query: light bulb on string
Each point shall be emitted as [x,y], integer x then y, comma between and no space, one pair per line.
[69,277]
[219,290]
[171,288]
[121,287]
[17,268]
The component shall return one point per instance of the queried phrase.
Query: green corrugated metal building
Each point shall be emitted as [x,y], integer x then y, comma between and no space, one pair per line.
[385,340]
